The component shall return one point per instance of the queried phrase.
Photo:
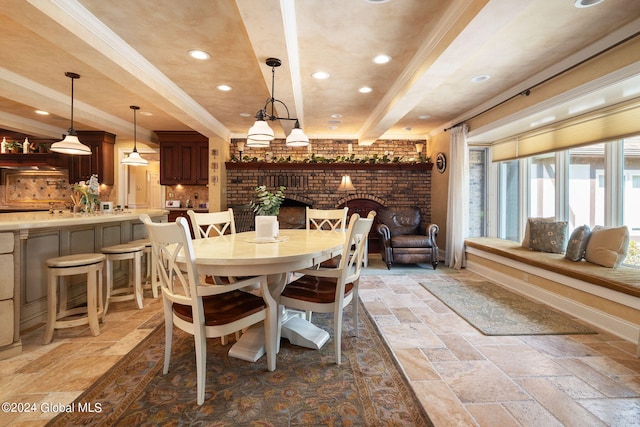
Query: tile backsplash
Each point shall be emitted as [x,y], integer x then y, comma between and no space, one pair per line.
[38,189]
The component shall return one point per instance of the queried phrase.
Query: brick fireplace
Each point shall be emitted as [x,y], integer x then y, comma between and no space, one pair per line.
[315,185]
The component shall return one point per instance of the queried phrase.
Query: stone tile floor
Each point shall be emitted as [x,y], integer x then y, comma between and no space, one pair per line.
[462,377]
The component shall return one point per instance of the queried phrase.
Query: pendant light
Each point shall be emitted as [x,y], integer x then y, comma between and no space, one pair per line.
[134,158]
[260,134]
[71,144]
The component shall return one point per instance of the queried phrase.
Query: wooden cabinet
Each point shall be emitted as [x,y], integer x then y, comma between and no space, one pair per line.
[184,158]
[100,162]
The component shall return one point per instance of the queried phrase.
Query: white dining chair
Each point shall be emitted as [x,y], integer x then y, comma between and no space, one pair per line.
[203,310]
[206,224]
[327,219]
[330,290]
[211,224]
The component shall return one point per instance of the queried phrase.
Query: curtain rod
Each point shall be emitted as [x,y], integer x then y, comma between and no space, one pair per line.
[527,92]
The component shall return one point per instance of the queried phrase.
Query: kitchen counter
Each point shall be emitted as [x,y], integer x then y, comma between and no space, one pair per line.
[44,219]
[28,239]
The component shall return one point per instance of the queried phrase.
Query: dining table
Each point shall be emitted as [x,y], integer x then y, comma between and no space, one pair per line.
[244,254]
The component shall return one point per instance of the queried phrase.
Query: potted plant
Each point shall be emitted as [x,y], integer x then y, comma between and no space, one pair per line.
[267,208]
[14,146]
[268,203]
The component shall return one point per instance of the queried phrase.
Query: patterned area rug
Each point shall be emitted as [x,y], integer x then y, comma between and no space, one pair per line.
[306,389]
[494,310]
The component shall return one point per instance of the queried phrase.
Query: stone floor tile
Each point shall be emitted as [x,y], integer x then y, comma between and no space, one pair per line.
[460,347]
[558,403]
[479,382]
[443,406]
[522,361]
[415,365]
[491,415]
[532,413]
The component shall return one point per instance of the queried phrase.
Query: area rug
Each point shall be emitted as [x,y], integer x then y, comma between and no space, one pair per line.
[306,389]
[494,310]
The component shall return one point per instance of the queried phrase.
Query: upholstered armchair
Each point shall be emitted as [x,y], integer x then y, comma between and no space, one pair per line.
[405,238]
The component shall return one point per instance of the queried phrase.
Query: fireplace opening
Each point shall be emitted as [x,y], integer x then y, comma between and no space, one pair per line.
[293,214]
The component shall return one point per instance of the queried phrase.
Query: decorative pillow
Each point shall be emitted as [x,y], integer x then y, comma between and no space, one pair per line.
[607,246]
[526,241]
[548,236]
[578,243]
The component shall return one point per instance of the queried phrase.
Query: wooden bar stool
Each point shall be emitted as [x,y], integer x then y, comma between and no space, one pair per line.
[124,252]
[151,278]
[59,315]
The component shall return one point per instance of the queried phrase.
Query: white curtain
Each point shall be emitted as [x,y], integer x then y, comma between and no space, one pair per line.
[458,205]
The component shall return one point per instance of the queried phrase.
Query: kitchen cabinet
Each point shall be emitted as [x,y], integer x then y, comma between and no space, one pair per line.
[100,162]
[184,158]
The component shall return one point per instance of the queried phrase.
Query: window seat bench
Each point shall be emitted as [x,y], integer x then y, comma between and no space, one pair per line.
[604,297]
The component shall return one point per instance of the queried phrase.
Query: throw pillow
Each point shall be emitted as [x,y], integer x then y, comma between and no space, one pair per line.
[578,243]
[548,236]
[607,246]
[526,240]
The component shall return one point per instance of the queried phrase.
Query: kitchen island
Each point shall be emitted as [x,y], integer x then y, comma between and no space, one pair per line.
[28,239]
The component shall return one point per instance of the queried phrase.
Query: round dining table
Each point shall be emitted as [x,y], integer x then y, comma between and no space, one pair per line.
[244,254]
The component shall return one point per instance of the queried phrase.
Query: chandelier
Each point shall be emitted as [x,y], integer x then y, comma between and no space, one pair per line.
[260,134]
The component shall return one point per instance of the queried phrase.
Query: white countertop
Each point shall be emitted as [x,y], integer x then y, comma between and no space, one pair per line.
[35,220]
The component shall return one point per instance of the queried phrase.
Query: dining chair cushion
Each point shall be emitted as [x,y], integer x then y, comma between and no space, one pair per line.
[332,262]
[223,308]
[315,289]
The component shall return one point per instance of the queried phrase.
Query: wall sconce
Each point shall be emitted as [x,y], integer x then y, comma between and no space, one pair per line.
[240,149]
[419,148]
[346,185]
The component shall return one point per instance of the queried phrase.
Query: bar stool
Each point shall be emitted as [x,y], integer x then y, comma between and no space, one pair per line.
[69,265]
[151,277]
[124,252]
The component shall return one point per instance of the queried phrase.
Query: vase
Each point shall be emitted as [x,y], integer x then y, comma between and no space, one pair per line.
[267,226]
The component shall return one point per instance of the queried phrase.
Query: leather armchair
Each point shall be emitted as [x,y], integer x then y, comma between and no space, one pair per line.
[405,238]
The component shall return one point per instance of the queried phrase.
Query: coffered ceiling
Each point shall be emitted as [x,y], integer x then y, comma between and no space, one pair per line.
[136,53]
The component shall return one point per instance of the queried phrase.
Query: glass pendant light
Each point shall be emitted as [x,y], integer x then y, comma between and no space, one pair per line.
[71,144]
[134,158]
[261,134]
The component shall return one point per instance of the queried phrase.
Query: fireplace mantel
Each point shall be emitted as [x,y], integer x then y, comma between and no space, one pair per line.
[328,166]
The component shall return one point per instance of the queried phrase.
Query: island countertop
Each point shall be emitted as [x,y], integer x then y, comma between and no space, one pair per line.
[39,220]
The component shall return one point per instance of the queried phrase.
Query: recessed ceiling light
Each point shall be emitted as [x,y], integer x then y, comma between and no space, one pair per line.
[376,1]
[333,127]
[581,4]
[245,115]
[336,116]
[408,128]
[199,54]
[424,116]
[365,89]
[334,122]
[146,113]
[224,88]
[480,78]
[381,59]
[320,75]
[42,113]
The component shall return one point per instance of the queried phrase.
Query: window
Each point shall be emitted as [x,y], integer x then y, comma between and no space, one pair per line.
[477,192]
[509,200]
[631,195]
[594,185]
[586,186]
[542,186]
